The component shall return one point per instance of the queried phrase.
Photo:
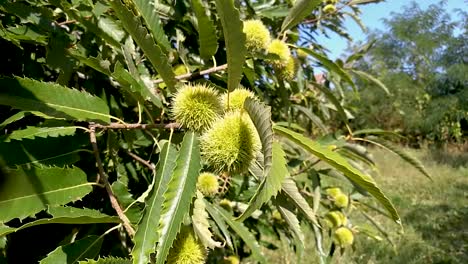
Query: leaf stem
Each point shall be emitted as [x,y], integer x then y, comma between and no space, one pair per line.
[113,200]
[196,74]
[137,126]
[150,165]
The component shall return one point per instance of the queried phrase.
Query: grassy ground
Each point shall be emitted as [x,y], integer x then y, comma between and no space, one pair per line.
[434,214]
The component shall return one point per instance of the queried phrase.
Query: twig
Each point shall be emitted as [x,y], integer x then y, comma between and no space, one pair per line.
[196,74]
[137,126]
[141,160]
[306,168]
[66,22]
[310,21]
[113,200]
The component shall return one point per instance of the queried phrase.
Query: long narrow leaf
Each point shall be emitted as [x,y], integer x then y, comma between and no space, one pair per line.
[52,99]
[200,223]
[66,215]
[371,78]
[234,39]
[32,132]
[147,9]
[145,41]
[271,184]
[289,189]
[240,229]
[291,219]
[179,194]
[26,191]
[222,226]
[341,164]
[146,235]
[208,39]
[261,117]
[330,65]
[87,247]
[314,118]
[300,10]
[339,108]
[402,154]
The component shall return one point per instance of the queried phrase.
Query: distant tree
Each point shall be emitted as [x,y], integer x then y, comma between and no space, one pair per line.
[422,58]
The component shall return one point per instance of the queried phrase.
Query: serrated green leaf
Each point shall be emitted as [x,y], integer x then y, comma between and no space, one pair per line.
[61,151]
[148,11]
[98,26]
[371,78]
[314,118]
[359,152]
[135,86]
[108,260]
[146,234]
[342,165]
[14,118]
[330,65]
[402,154]
[289,189]
[208,39]
[87,247]
[52,99]
[32,132]
[240,229]
[300,10]
[200,223]
[126,199]
[234,39]
[339,108]
[179,194]
[291,219]
[376,131]
[222,226]
[261,117]
[22,33]
[145,41]
[290,192]
[130,84]
[271,184]
[26,191]
[4,230]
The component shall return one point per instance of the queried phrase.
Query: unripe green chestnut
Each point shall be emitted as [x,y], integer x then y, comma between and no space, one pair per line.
[333,192]
[328,9]
[335,219]
[341,200]
[289,71]
[208,184]
[187,249]
[257,36]
[226,204]
[196,106]
[237,98]
[279,48]
[230,144]
[231,260]
[343,237]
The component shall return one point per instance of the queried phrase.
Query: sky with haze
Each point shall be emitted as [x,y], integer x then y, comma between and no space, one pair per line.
[372,15]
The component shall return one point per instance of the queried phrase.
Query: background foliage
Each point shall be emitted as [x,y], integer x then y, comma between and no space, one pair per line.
[95,170]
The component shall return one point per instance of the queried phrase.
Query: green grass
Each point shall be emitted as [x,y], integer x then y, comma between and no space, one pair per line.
[434,214]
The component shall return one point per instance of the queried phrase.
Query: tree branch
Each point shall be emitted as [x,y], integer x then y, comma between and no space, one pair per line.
[113,200]
[196,74]
[137,126]
[141,160]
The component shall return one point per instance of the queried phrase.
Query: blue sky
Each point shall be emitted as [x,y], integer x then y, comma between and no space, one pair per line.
[371,16]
